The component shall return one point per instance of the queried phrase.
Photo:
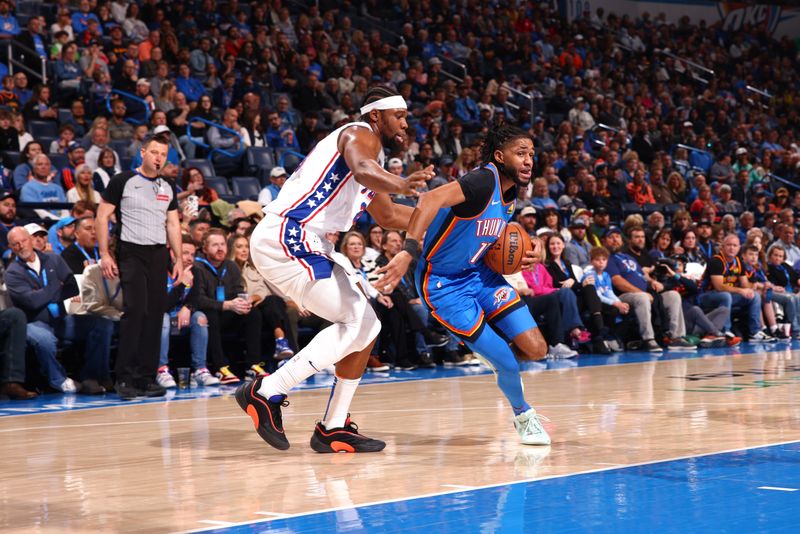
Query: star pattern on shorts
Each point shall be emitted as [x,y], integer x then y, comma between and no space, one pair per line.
[312,204]
[327,187]
[296,248]
[293,232]
[319,195]
[334,178]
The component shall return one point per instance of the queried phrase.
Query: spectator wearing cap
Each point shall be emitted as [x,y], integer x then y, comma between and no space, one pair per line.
[38,284]
[76,156]
[780,201]
[39,236]
[743,163]
[277,177]
[444,173]
[395,166]
[705,242]
[600,222]
[527,219]
[9,27]
[578,248]
[118,127]
[579,116]
[644,294]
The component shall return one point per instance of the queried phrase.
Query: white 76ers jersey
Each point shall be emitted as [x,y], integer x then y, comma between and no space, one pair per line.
[322,195]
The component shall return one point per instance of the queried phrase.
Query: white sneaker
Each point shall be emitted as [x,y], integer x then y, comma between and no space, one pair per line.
[164,379]
[560,351]
[530,429]
[68,386]
[762,337]
[203,377]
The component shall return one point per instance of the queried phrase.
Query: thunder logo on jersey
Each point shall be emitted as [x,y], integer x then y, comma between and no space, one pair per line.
[489,227]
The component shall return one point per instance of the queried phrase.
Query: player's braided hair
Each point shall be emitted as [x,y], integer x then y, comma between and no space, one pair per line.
[377,93]
[498,136]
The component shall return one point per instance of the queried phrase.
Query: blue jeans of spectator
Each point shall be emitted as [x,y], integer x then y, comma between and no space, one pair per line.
[714,299]
[96,331]
[570,316]
[198,339]
[790,303]
[419,338]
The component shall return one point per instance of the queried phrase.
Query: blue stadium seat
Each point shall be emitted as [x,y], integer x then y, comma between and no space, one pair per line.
[258,160]
[125,163]
[59,161]
[218,184]
[246,187]
[11,158]
[288,160]
[43,129]
[203,165]
[64,115]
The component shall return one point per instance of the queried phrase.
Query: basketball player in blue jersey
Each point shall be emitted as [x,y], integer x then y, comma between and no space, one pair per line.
[461,221]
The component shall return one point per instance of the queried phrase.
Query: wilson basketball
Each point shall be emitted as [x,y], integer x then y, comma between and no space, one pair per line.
[505,256]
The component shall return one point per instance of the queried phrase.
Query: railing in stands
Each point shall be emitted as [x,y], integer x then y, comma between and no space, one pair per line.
[289,152]
[211,150]
[129,96]
[13,46]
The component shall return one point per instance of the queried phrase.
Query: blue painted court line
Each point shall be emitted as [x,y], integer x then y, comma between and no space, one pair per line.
[713,493]
[56,402]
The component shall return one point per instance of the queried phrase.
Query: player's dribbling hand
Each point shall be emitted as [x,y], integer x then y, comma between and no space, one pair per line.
[532,255]
[417,180]
[392,272]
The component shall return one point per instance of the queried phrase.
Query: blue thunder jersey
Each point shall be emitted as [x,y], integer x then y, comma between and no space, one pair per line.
[455,244]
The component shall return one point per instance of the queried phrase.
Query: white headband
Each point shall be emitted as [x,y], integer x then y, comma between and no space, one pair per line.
[390,102]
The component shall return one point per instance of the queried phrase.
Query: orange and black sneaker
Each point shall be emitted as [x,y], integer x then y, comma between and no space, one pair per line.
[344,439]
[266,413]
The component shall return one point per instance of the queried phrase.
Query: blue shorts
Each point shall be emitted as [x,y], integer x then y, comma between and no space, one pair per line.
[464,302]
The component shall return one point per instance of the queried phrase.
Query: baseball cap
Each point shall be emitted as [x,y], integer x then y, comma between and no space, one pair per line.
[601,211]
[394,162]
[434,61]
[73,146]
[446,160]
[527,210]
[688,124]
[612,230]
[142,81]
[782,192]
[544,230]
[703,222]
[6,194]
[580,212]
[160,129]
[741,150]
[578,223]
[34,228]
[277,171]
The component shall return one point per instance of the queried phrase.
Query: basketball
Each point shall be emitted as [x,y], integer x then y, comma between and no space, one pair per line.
[505,256]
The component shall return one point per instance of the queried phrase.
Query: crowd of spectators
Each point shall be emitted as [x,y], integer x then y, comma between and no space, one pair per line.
[649,170]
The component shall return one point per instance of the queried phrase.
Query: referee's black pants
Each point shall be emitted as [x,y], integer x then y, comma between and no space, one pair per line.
[143,277]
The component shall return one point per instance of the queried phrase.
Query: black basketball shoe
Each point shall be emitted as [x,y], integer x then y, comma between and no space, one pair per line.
[266,413]
[344,439]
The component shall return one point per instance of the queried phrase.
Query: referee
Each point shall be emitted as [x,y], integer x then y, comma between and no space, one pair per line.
[146,211]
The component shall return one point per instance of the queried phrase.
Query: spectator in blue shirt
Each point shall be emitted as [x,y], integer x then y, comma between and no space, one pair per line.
[278,134]
[187,85]
[81,18]
[42,188]
[9,27]
[467,109]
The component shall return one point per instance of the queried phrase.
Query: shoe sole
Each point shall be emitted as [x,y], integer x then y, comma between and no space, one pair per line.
[283,355]
[459,364]
[266,435]
[340,446]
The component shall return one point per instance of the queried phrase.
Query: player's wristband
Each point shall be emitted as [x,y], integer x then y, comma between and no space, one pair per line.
[412,247]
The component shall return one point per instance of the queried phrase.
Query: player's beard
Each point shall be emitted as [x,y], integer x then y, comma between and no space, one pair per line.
[513,175]
[390,142]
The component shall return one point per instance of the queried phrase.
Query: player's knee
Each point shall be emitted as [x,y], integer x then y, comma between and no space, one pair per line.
[369,329]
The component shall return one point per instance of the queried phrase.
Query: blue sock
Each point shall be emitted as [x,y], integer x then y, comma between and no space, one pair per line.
[495,349]
[524,408]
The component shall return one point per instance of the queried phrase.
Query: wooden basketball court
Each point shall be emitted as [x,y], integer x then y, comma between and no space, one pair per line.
[196,464]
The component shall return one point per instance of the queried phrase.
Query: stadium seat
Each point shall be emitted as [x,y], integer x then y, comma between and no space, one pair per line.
[288,159]
[120,146]
[59,161]
[203,165]
[125,163]
[259,159]
[218,184]
[245,187]
[64,115]
[11,158]
[40,129]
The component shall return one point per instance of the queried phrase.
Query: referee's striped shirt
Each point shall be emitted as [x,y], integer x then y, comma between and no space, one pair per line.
[141,207]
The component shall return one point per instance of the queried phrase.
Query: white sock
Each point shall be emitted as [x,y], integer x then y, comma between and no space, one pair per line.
[327,348]
[339,402]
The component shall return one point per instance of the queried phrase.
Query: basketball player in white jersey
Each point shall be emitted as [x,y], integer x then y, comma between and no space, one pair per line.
[342,177]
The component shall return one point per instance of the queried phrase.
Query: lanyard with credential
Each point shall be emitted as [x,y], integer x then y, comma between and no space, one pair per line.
[220,286]
[91,260]
[171,284]
[52,307]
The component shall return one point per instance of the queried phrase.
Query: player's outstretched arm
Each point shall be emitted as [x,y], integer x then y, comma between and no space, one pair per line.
[389,214]
[360,148]
[428,206]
